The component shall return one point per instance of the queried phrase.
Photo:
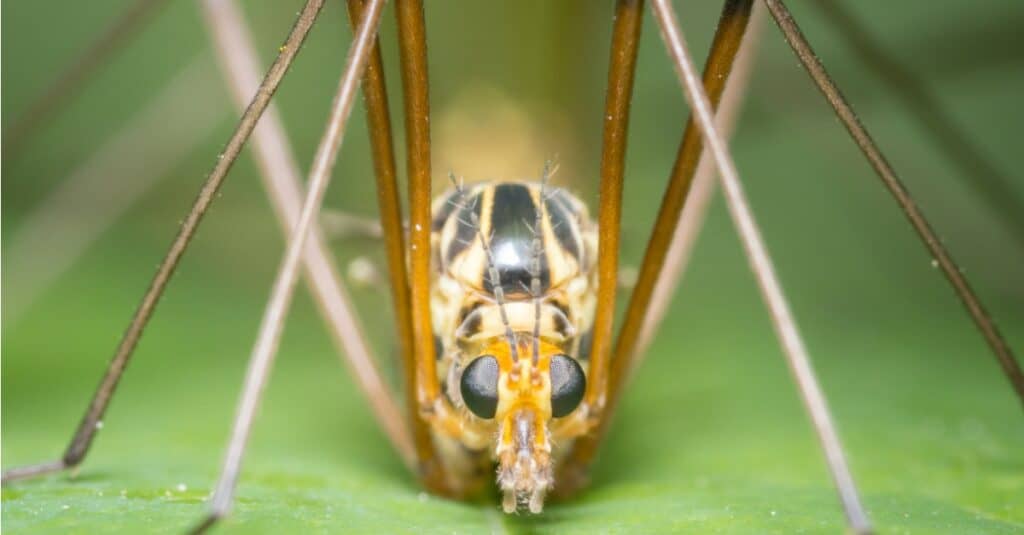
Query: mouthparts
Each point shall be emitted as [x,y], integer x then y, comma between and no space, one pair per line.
[524,462]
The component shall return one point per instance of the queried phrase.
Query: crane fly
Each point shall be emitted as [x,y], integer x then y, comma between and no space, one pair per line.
[504,291]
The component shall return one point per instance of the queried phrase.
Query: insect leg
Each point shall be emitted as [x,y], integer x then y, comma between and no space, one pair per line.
[378,121]
[764,271]
[691,221]
[86,430]
[621,73]
[272,324]
[421,370]
[282,181]
[1001,350]
[728,37]
[731,29]
[979,173]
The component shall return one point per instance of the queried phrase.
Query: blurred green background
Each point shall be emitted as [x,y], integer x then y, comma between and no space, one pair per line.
[711,436]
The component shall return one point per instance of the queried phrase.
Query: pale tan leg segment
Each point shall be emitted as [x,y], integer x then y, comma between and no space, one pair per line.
[281,179]
[691,220]
[764,272]
[272,324]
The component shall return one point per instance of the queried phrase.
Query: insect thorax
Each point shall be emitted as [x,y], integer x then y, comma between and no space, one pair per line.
[464,299]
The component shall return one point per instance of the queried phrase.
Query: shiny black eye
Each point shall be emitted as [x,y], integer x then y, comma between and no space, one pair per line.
[567,385]
[479,386]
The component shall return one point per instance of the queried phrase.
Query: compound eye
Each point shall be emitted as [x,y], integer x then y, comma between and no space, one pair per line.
[479,386]
[567,385]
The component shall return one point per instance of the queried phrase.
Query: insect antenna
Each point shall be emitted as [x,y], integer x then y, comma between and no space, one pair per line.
[492,269]
[536,249]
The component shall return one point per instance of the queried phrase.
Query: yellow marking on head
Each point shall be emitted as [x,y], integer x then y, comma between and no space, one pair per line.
[523,384]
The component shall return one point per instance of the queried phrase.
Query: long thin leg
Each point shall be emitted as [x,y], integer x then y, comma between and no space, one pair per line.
[101,399]
[980,174]
[412,42]
[621,74]
[273,320]
[764,271]
[691,221]
[731,28]
[378,122]
[78,72]
[63,226]
[282,181]
[572,473]
[887,174]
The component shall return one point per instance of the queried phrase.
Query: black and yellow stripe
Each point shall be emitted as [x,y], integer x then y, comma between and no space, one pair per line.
[507,212]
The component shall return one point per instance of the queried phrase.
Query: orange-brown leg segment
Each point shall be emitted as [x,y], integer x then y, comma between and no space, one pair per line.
[621,73]
[412,42]
[731,29]
[378,122]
